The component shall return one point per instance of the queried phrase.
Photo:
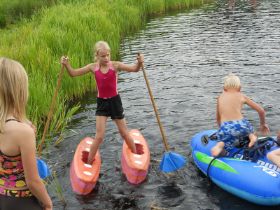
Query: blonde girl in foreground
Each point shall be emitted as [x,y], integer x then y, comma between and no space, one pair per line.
[20,185]
[109,103]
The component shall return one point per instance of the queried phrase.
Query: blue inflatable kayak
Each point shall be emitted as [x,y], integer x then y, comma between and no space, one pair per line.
[245,173]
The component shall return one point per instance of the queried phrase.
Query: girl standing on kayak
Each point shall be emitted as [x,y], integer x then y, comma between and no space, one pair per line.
[109,102]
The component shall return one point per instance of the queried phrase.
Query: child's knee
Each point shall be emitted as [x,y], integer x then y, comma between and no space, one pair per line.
[252,137]
[220,144]
[216,150]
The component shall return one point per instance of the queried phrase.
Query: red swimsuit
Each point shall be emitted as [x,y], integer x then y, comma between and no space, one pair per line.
[106,83]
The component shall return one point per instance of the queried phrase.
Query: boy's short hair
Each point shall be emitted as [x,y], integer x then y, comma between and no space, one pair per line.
[232,81]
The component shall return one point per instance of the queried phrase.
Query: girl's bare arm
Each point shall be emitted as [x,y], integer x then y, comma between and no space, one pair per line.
[130,68]
[26,142]
[75,72]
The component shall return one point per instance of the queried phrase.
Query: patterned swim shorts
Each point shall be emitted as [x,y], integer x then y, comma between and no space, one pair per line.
[231,131]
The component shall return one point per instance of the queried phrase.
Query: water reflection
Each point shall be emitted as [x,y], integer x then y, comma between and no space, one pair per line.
[232,4]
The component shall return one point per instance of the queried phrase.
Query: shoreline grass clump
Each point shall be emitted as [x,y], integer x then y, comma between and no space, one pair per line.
[12,11]
[72,29]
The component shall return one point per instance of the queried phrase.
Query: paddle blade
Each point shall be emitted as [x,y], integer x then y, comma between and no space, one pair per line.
[171,162]
[43,169]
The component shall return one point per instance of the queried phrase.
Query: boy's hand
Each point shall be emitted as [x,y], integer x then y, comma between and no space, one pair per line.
[264,129]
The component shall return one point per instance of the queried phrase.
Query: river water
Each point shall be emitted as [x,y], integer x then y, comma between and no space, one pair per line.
[186,57]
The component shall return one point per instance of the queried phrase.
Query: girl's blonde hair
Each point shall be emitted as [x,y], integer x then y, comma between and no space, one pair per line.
[100,45]
[232,81]
[13,90]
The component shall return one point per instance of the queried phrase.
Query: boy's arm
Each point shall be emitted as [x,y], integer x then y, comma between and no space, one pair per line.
[263,126]
[75,72]
[256,107]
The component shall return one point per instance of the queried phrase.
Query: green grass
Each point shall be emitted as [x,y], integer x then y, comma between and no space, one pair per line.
[71,28]
[13,10]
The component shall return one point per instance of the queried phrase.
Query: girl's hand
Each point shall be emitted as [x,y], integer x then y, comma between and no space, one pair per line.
[264,129]
[140,59]
[64,60]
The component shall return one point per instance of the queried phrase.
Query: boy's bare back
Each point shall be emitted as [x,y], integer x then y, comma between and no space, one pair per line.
[230,104]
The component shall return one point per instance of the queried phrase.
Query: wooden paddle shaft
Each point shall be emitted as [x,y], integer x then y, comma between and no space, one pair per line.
[51,110]
[156,111]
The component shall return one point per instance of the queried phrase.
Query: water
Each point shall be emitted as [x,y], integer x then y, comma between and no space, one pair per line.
[186,57]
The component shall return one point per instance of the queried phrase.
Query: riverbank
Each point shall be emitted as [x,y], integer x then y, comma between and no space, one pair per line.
[72,29]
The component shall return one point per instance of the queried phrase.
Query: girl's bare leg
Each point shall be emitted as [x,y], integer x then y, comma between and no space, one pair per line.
[274,156]
[217,149]
[121,124]
[99,136]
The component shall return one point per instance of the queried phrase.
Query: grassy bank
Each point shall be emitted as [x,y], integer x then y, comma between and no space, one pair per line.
[71,29]
[13,10]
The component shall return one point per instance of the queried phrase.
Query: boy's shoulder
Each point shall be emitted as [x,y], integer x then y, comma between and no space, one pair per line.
[232,91]
[235,94]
